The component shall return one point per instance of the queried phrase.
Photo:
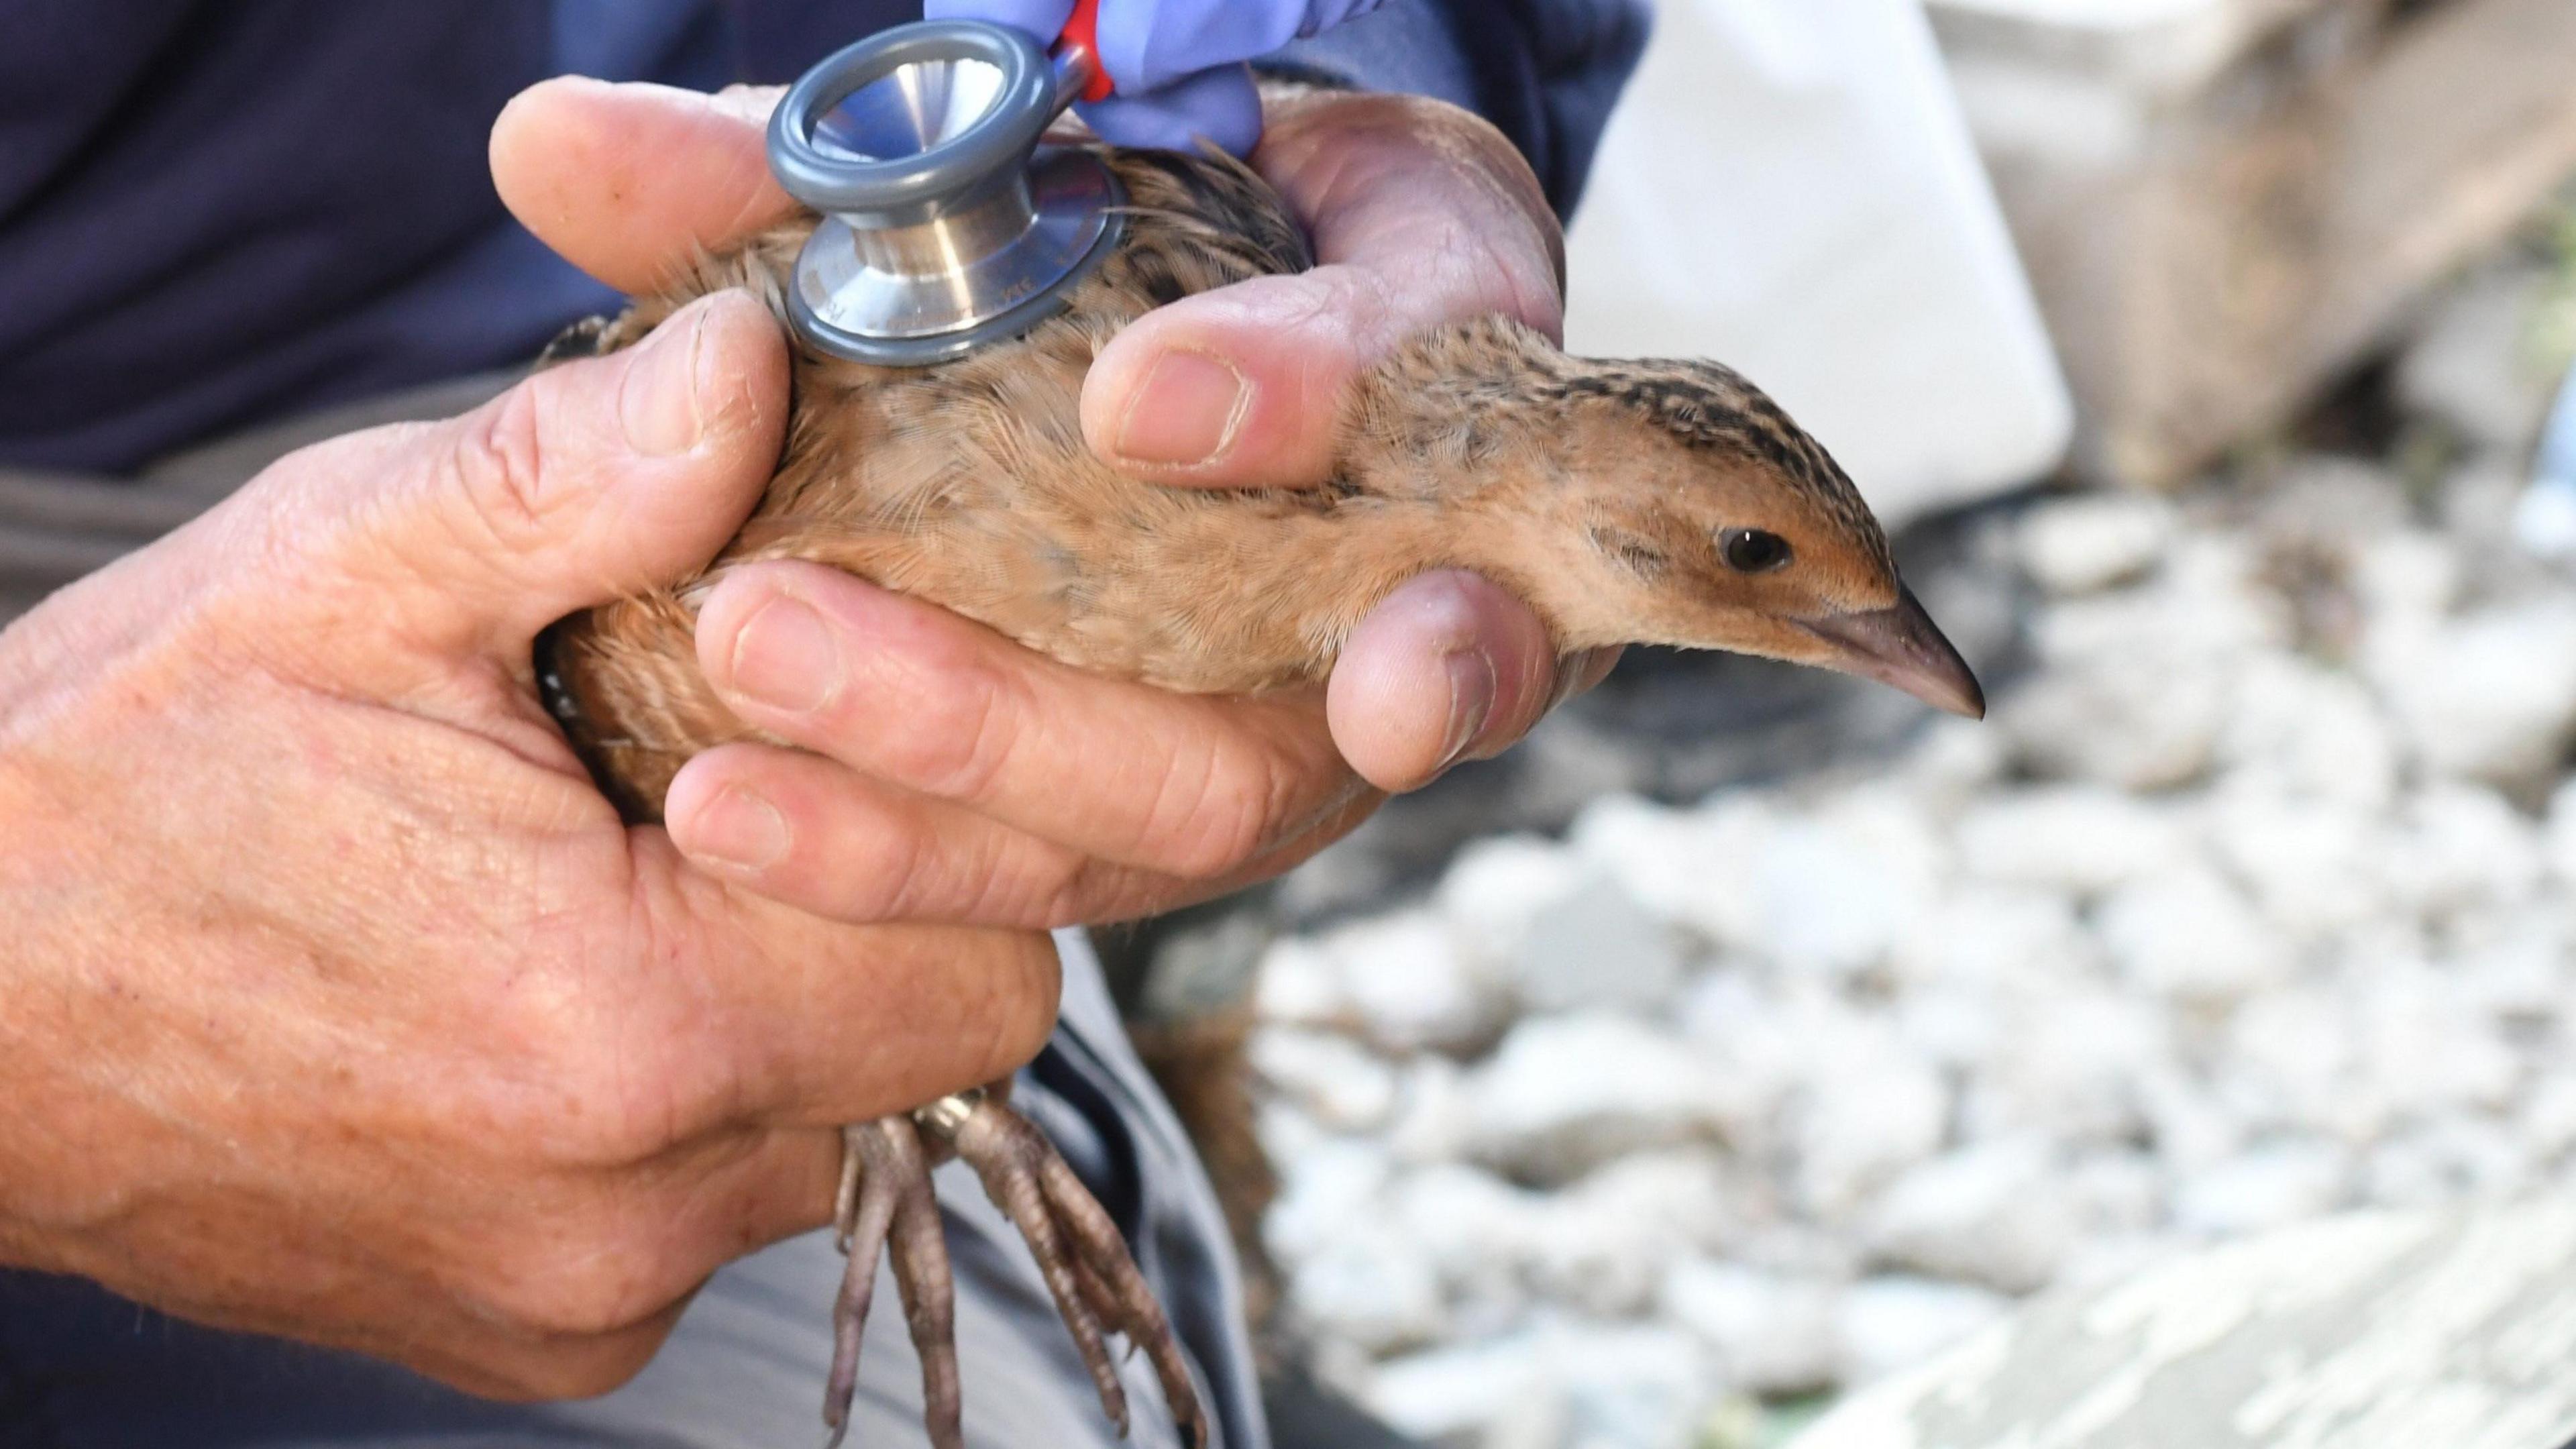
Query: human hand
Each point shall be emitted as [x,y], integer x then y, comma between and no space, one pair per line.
[1178,64]
[339,1004]
[1009,788]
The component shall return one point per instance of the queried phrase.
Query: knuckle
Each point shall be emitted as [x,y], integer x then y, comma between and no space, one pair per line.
[550,1375]
[589,1279]
[496,467]
[1214,810]
[590,1083]
[1018,1001]
[956,744]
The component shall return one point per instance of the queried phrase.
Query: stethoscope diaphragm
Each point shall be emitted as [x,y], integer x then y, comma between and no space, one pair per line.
[946,224]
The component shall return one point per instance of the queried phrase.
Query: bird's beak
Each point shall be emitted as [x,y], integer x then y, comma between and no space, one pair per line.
[1900,645]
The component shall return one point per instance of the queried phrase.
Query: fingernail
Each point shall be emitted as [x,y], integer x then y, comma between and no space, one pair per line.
[658,402]
[785,658]
[1471,699]
[1186,410]
[739,828]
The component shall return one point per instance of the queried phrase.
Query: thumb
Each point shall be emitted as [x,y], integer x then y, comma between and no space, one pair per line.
[586,482]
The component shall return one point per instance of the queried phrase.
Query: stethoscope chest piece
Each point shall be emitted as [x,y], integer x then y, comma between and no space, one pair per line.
[945,224]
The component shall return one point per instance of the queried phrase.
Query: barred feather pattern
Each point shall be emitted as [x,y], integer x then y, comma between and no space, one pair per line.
[968,484]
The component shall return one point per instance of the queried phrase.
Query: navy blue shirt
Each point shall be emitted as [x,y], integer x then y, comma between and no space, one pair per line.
[217,212]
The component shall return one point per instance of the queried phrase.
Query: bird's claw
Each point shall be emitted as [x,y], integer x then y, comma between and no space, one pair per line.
[885,1205]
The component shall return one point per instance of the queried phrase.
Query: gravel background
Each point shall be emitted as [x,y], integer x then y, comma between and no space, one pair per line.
[1748,1035]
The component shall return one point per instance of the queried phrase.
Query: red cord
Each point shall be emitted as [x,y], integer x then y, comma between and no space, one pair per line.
[1082,32]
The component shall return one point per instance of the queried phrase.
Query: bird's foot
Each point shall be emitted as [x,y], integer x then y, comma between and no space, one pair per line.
[886,1206]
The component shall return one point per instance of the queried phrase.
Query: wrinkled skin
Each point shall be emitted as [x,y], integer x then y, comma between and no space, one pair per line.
[343,1008]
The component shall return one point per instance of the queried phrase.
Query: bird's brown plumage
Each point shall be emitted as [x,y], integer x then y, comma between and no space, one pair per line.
[1609,495]
[1591,488]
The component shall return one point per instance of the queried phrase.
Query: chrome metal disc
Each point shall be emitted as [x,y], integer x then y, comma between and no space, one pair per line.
[913,295]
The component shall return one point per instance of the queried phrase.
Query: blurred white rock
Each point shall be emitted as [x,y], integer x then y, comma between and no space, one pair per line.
[2070,1067]
[2427,1049]
[1501,1391]
[1997,939]
[1892,1322]
[2546,1122]
[1838,888]
[2294,1061]
[1433,1119]
[2314,865]
[1953,759]
[2083,545]
[2138,723]
[2514,965]
[1477,1233]
[1560,1384]
[1298,984]
[1952,1027]
[2081,839]
[1497,887]
[2115,1191]
[1408,985]
[1630,1386]
[1336,1080]
[1771,1333]
[2461,847]
[1595,946]
[2407,580]
[2104,1259]
[1370,1284]
[1563,1093]
[1995,1214]
[1870,1109]
[2469,366]
[2265,1187]
[2450,1159]
[2208,609]
[2559,843]
[1329,1189]
[1694,868]
[2317,731]
[2192,1132]
[2490,696]
[2191,935]
[1611,1236]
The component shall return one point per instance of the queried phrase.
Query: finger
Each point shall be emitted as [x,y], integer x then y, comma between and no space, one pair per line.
[513,1369]
[1421,214]
[631,182]
[823,1022]
[585,483]
[1042,18]
[923,700]
[1450,667]
[706,1203]
[1219,107]
[824,838]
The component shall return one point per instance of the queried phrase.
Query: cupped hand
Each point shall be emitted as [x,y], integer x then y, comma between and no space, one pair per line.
[339,1004]
[1009,788]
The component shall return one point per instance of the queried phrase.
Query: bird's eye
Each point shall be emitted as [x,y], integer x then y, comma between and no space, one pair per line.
[1752,551]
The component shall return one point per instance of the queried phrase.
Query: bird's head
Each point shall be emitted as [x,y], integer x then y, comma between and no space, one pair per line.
[1678,505]
[1712,521]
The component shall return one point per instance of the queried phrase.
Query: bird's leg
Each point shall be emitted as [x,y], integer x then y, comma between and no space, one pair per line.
[1078,1250]
[886,1206]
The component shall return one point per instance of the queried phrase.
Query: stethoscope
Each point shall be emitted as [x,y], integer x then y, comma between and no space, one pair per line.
[945,224]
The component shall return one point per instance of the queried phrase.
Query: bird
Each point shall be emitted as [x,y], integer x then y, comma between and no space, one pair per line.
[1653,502]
